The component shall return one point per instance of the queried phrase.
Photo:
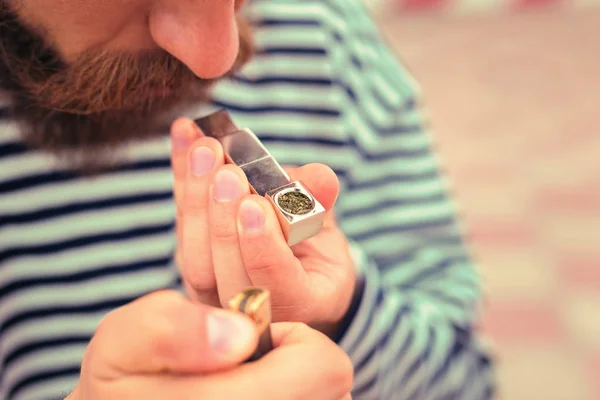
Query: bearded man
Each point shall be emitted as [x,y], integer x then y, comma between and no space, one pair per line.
[120,244]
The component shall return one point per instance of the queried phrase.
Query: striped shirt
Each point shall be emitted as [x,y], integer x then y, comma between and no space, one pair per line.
[324,84]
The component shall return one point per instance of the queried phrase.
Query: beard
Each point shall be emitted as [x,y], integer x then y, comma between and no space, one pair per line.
[85,110]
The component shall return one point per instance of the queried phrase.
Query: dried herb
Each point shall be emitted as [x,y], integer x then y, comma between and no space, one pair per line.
[296,203]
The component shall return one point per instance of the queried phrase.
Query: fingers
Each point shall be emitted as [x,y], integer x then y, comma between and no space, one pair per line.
[229,187]
[164,346]
[183,134]
[268,260]
[305,365]
[228,243]
[166,333]
[204,158]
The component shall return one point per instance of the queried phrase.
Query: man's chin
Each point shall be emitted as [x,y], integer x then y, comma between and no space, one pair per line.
[86,110]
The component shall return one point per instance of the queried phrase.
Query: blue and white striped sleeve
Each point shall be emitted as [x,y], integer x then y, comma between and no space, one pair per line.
[411,331]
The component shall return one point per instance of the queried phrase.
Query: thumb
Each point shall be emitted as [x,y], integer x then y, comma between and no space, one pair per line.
[166,333]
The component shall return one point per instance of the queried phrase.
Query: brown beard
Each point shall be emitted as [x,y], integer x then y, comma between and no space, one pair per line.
[85,110]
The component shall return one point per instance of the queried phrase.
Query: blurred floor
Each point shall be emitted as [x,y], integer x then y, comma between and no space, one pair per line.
[515,103]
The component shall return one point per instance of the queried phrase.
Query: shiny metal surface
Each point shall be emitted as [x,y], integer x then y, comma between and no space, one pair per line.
[255,302]
[244,149]
[217,125]
[266,177]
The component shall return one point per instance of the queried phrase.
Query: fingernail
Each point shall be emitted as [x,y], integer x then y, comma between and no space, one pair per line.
[252,216]
[228,186]
[203,161]
[180,140]
[228,333]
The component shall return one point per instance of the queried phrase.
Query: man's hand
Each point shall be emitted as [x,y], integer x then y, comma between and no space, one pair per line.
[163,346]
[230,240]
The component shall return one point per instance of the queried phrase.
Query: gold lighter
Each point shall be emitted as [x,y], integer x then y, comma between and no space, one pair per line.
[300,215]
[256,303]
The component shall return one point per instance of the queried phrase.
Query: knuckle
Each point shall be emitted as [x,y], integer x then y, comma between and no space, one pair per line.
[224,232]
[196,267]
[163,333]
[194,197]
[106,332]
[289,312]
[332,364]
[105,329]
[302,329]
[202,285]
[200,279]
[261,259]
[262,270]
[157,319]
[340,371]
[149,315]
[335,366]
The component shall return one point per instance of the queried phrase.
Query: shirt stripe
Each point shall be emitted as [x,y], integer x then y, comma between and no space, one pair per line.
[323,87]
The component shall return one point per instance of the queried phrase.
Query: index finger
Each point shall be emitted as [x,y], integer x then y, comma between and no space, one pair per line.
[183,133]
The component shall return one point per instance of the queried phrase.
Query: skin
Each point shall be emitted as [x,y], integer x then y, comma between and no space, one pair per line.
[312,282]
[164,334]
[218,255]
[202,34]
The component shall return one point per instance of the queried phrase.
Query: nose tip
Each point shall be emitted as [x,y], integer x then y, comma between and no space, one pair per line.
[203,36]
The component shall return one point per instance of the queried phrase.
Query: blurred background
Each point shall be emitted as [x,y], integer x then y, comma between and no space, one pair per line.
[513,92]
